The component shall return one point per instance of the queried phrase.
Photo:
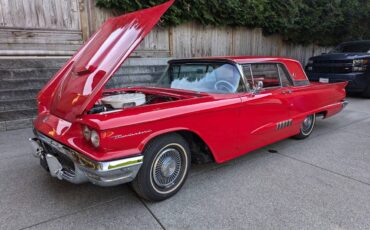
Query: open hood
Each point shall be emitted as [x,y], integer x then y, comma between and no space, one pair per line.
[77,86]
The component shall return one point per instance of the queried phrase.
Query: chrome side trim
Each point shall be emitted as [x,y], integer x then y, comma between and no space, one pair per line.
[284,124]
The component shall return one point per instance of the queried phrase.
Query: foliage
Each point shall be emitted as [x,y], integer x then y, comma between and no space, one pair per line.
[323,22]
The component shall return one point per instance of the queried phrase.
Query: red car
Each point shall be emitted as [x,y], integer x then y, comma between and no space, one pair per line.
[204,109]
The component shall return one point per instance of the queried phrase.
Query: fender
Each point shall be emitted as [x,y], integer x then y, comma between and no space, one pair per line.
[156,134]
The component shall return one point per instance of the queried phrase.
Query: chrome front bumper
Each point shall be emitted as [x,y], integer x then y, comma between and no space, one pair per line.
[67,164]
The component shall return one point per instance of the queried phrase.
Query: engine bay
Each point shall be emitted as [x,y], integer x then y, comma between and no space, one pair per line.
[113,101]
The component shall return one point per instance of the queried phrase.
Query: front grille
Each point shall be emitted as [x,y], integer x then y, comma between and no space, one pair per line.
[333,61]
[331,69]
[332,66]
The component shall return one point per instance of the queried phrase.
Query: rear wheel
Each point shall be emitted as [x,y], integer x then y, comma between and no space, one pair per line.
[307,127]
[165,168]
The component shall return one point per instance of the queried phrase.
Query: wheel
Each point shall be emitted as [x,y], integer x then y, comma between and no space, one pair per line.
[165,168]
[307,126]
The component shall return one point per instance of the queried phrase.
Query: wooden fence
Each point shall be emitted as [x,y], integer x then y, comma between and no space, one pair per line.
[29,27]
[59,27]
[191,40]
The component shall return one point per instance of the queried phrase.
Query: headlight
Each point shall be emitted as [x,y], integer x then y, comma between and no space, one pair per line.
[86,132]
[360,65]
[95,139]
[360,61]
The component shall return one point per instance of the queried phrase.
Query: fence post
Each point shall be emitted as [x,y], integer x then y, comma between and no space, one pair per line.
[84,6]
[170,40]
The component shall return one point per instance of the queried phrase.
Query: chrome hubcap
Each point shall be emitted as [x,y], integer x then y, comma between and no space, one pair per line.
[307,123]
[167,167]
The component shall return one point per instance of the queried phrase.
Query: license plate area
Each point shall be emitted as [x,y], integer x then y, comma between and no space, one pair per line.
[324,80]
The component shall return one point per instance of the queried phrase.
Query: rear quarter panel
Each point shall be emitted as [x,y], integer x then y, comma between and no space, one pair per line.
[318,98]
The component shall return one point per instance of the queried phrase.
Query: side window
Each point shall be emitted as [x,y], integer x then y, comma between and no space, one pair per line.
[284,76]
[267,73]
[248,76]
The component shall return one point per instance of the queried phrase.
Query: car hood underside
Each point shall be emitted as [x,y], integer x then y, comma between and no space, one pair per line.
[77,86]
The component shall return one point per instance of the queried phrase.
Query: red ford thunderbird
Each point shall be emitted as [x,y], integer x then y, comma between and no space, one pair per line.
[200,110]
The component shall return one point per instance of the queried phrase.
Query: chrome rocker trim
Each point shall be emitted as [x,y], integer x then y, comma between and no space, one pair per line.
[105,173]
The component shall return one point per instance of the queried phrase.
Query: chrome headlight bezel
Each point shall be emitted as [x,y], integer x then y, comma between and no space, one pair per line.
[95,139]
[86,131]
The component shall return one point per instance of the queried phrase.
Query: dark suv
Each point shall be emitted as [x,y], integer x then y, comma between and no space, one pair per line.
[350,61]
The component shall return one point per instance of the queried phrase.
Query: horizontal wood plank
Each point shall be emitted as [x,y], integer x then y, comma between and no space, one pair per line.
[49,14]
[40,37]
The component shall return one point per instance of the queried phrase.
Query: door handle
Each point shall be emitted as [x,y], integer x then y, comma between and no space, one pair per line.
[287,91]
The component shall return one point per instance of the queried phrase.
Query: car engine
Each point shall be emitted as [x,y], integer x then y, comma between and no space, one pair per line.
[125,100]
[122,100]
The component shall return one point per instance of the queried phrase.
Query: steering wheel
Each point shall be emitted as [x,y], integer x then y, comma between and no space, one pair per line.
[224,86]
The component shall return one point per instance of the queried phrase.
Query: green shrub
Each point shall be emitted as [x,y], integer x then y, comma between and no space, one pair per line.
[323,22]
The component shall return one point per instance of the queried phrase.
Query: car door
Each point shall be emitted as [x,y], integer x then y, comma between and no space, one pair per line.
[265,113]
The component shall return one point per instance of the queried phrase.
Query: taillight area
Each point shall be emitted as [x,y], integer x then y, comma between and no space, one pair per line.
[360,65]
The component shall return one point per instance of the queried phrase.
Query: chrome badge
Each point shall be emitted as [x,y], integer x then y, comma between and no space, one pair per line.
[120,136]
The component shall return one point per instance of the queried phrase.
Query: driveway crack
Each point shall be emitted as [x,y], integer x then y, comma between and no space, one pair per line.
[322,168]
[151,213]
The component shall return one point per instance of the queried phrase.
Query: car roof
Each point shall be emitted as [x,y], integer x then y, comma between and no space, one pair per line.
[235,59]
[293,66]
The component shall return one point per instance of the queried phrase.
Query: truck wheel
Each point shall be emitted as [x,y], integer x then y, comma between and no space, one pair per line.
[307,126]
[165,168]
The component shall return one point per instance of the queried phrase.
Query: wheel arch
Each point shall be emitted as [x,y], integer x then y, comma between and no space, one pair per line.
[201,151]
[322,113]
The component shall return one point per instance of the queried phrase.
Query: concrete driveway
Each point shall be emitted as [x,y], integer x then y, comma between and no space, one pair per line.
[322,182]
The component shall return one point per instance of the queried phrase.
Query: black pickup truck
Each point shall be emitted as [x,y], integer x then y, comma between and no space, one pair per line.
[350,61]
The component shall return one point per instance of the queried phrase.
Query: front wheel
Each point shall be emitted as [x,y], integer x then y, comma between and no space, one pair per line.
[307,127]
[165,168]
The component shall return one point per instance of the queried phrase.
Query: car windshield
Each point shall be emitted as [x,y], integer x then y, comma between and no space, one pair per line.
[202,77]
[355,47]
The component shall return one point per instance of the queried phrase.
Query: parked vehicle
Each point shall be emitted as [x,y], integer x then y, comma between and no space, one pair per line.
[350,61]
[203,109]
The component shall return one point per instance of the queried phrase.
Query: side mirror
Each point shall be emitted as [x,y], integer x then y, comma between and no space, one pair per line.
[258,87]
